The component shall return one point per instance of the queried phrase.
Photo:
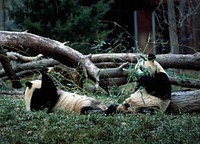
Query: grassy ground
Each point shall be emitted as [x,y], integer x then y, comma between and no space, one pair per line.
[19,126]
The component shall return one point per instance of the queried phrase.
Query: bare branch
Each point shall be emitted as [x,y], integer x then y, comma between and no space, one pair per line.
[17,57]
[32,65]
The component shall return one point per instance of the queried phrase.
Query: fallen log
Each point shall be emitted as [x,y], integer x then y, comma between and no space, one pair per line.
[32,65]
[184,82]
[179,61]
[20,41]
[115,77]
[185,101]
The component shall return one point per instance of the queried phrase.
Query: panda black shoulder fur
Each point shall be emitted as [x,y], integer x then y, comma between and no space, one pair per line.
[41,94]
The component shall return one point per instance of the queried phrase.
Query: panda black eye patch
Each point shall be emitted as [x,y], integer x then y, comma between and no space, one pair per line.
[28,84]
[126,105]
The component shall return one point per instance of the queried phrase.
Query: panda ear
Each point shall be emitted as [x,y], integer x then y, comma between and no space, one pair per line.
[151,57]
[28,84]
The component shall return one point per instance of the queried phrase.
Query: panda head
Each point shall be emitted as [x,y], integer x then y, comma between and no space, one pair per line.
[148,66]
[40,94]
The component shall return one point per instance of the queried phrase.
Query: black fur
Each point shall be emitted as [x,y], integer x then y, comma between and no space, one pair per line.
[112,109]
[46,96]
[159,85]
[86,110]
[151,57]
[148,110]
[28,84]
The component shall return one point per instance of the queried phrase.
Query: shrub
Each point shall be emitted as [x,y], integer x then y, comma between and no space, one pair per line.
[62,20]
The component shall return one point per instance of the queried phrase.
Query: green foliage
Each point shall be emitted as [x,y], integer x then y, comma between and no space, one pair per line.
[63,20]
[19,126]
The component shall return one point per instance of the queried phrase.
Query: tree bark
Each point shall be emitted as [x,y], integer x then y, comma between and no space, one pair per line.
[53,49]
[48,47]
[185,82]
[174,47]
[18,57]
[5,61]
[32,65]
[189,61]
[185,101]
[178,61]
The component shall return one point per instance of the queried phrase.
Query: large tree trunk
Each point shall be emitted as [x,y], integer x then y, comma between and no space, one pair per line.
[9,71]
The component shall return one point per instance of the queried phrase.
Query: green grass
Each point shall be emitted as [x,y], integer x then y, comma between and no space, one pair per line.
[19,126]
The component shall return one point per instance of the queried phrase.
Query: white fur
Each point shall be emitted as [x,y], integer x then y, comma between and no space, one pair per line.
[141,99]
[71,102]
[36,84]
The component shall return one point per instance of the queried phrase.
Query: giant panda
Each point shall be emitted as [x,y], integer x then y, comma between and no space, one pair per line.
[42,94]
[153,77]
[153,88]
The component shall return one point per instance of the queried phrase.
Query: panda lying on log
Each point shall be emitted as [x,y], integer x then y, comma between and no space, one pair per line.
[152,91]
[41,94]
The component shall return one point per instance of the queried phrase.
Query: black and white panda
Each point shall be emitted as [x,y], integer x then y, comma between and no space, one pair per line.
[153,77]
[153,88]
[41,94]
